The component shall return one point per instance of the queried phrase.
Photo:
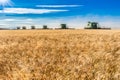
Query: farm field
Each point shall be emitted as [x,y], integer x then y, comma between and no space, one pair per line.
[60,55]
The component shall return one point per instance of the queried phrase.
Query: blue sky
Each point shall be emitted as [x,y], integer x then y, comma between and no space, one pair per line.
[75,13]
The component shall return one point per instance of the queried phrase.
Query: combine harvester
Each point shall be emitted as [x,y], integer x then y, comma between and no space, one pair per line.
[64,27]
[95,25]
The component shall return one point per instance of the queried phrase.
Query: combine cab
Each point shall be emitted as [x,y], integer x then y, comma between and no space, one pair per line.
[94,25]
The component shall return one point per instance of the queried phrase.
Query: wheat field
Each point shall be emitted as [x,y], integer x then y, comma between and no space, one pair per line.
[60,55]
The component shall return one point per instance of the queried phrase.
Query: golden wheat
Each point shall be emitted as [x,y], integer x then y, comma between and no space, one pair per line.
[60,55]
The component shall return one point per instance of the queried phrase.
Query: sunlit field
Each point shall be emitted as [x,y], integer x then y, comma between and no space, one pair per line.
[60,55]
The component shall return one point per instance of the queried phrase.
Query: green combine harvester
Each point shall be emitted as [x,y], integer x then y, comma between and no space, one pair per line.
[94,25]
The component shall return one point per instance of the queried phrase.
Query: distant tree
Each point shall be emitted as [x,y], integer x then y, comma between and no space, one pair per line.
[64,26]
[32,27]
[24,27]
[45,27]
[18,27]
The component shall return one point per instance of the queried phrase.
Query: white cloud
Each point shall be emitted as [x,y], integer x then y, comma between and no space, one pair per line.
[9,19]
[57,6]
[29,11]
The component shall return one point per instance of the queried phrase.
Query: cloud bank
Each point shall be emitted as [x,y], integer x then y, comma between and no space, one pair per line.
[58,6]
[29,11]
